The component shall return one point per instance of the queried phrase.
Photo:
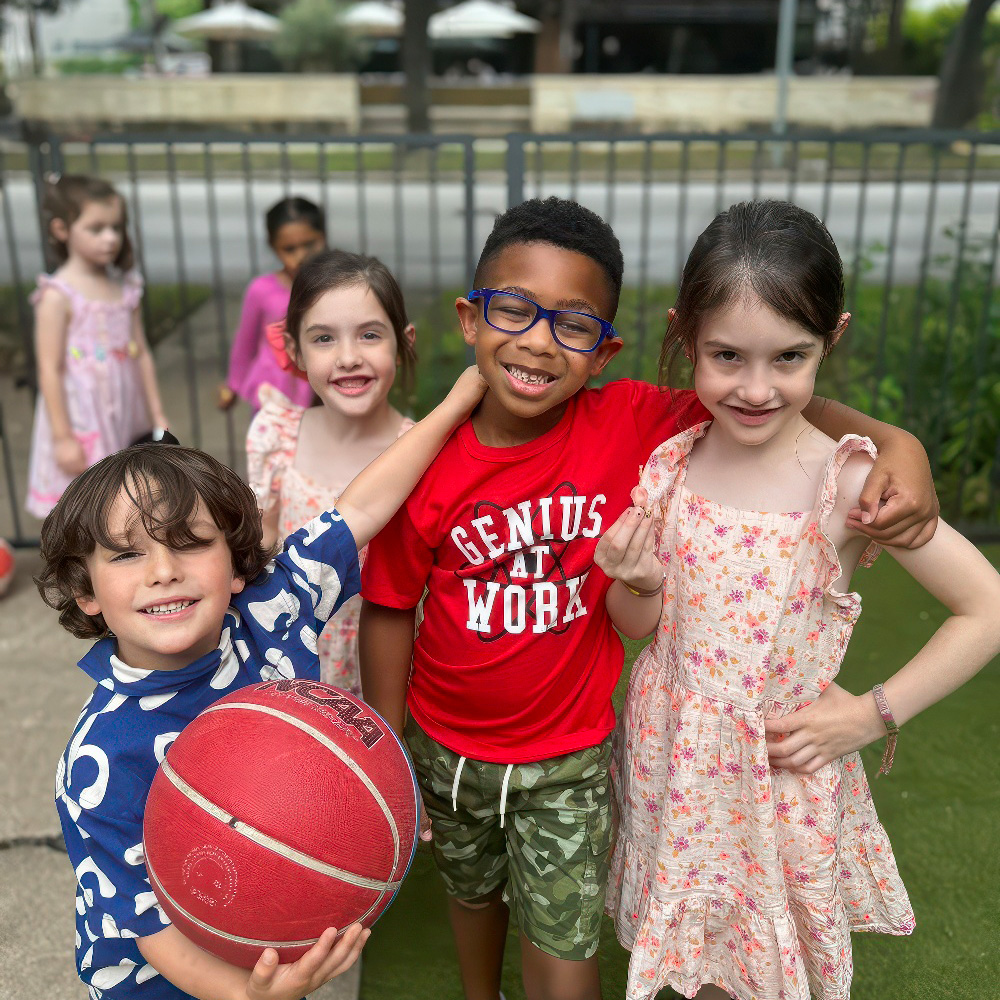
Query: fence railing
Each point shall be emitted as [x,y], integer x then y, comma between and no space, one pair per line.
[915,214]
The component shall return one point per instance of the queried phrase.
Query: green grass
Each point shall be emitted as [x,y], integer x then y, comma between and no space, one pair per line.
[555,161]
[939,805]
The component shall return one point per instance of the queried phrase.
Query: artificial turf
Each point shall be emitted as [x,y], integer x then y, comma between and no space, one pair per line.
[939,805]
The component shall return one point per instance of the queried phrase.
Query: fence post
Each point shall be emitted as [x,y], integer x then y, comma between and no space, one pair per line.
[515,169]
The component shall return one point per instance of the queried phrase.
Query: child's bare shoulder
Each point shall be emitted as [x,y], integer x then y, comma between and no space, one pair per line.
[852,478]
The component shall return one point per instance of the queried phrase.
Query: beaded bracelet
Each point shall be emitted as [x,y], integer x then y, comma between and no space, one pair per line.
[658,589]
[892,730]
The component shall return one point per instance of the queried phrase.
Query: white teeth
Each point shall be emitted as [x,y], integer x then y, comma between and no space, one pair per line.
[166,609]
[528,378]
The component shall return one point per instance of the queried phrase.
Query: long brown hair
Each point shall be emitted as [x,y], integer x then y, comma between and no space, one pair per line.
[772,250]
[330,269]
[66,198]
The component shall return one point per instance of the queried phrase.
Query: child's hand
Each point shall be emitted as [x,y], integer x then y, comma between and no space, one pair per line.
[326,959]
[224,397]
[70,456]
[898,505]
[626,552]
[468,390]
[837,722]
[426,832]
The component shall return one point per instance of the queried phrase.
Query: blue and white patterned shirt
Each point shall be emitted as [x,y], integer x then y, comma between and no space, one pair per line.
[124,730]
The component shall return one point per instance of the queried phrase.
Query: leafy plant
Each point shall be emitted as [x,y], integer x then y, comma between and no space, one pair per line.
[932,370]
[313,38]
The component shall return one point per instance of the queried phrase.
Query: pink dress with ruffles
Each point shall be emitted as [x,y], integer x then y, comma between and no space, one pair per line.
[726,871]
[271,472]
[105,398]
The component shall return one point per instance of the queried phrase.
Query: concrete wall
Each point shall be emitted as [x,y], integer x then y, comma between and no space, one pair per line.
[222,99]
[711,103]
[557,103]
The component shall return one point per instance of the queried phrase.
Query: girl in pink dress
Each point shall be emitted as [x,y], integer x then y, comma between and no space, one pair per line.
[296,229]
[97,389]
[749,847]
[299,459]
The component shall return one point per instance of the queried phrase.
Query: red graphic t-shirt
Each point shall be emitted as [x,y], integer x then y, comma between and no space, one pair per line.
[516,657]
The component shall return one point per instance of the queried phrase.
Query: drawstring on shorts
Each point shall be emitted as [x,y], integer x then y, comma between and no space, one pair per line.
[503,788]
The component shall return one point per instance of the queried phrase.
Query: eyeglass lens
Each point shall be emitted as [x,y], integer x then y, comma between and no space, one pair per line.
[572,329]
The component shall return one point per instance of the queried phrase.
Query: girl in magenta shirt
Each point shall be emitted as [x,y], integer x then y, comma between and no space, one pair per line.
[296,229]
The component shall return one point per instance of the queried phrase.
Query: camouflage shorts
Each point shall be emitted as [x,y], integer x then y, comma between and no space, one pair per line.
[551,854]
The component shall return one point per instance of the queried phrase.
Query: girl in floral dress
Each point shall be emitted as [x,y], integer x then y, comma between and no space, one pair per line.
[299,459]
[97,389]
[749,847]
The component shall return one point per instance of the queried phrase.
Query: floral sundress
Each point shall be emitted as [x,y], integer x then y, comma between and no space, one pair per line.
[725,870]
[271,442]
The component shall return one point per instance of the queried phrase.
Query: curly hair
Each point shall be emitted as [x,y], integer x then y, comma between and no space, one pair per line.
[166,485]
[561,223]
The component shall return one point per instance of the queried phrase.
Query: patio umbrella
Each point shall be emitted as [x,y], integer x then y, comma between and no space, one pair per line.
[480,19]
[374,19]
[231,22]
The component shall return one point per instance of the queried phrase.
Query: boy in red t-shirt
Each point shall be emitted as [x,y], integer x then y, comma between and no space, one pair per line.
[513,669]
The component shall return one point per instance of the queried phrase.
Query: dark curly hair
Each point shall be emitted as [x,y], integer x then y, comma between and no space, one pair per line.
[561,223]
[166,484]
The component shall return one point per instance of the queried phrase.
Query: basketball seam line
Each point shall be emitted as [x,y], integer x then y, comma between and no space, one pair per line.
[235,938]
[336,751]
[264,840]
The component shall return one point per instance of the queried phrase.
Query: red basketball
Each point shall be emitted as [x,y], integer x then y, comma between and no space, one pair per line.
[284,808]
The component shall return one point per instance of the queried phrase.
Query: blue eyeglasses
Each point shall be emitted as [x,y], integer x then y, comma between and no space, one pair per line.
[511,313]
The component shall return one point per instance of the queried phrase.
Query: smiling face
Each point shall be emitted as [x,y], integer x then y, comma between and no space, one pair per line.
[165,605]
[97,233]
[347,348]
[755,371]
[530,377]
[294,243]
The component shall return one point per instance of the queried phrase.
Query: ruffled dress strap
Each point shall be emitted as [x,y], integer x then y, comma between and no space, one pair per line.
[271,443]
[45,281]
[658,478]
[132,289]
[849,444]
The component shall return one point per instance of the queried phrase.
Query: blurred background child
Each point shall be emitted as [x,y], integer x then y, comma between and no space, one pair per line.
[96,377]
[299,459]
[296,229]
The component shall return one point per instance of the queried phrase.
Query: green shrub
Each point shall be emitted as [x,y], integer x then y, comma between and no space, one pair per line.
[934,371]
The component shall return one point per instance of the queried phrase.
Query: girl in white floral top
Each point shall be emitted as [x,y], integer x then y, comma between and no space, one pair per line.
[300,459]
[749,847]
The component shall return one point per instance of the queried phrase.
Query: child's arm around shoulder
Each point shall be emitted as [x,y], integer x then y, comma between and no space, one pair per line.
[901,477]
[201,974]
[378,490]
[951,569]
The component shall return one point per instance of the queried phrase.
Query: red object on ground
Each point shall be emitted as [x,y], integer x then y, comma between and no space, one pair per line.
[6,567]
[284,808]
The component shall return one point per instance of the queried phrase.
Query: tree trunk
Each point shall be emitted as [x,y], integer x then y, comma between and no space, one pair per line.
[417,64]
[960,82]
[894,36]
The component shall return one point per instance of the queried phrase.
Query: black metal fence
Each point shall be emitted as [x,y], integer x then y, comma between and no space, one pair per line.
[916,216]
